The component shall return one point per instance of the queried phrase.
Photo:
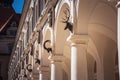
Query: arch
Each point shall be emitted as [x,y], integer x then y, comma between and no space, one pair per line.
[47,31]
[36,57]
[58,7]
[102,29]
[93,52]
[61,34]
[102,25]
[102,22]
[97,12]
[109,59]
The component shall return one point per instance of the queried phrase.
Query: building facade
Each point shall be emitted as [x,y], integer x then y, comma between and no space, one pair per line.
[67,40]
[8,28]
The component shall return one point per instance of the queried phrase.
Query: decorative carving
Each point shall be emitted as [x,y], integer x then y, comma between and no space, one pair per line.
[29,67]
[69,25]
[48,49]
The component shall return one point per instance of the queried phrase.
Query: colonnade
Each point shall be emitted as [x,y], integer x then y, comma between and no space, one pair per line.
[63,57]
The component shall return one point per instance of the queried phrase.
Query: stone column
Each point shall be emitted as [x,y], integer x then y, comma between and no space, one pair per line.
[78,57]
[44,73]
[118,33]
[52,70]
[40,75]
[56,67]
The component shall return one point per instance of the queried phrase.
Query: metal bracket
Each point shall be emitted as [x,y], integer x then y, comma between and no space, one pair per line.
[47,49]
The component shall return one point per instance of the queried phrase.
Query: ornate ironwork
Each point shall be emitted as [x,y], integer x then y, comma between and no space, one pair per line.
[47,49]
[29,67]
[37,61]
[69,25]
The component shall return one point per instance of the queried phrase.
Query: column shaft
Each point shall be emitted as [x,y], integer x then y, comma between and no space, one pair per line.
[78,62]
[40,76]
[52,71]
[118,34]
[56,71]
[73,63]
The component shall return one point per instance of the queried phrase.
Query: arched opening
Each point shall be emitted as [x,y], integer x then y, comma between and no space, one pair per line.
[102,29]
[92,67]
[45,54]
[45,62]
[61,35]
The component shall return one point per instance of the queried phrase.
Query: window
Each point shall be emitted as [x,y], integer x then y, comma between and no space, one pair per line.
[33,19]
[10,46]
[27,34]
[40,6]
[13,32]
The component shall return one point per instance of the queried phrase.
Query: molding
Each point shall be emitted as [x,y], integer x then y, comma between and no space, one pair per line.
[78,39]
[44,68]
[56,58]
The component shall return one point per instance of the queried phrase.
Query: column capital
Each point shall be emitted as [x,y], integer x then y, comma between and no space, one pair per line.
[44,68]
[56,58]
[78,39]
